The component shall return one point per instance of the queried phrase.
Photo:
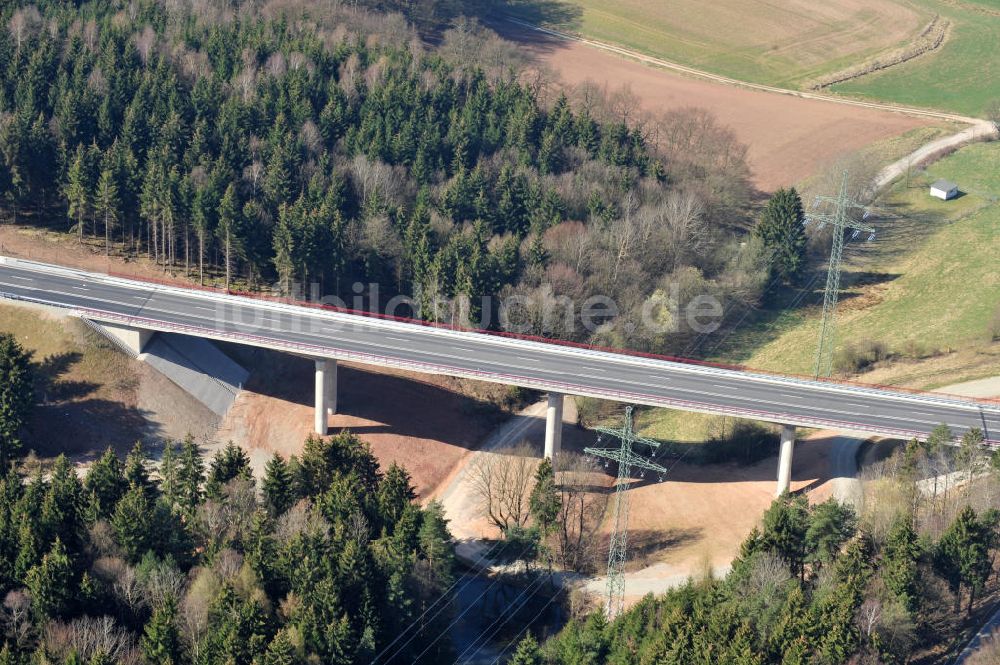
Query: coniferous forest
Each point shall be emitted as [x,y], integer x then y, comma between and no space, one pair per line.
[253,144]
[282,143]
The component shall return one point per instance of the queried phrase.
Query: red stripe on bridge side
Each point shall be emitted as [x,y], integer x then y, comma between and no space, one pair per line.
[546,340]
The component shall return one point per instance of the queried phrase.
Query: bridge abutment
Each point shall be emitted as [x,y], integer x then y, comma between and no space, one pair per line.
[785,459]
[553,425]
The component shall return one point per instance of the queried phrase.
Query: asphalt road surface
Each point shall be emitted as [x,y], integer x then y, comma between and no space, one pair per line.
[320,333]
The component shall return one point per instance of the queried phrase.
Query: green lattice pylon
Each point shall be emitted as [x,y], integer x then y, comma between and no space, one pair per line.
[627,459]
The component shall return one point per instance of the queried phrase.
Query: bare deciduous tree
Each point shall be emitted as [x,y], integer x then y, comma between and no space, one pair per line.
[16,614]
[584,499]
[89,636]
[502,482]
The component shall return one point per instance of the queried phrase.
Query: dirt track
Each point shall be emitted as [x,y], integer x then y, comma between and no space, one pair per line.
[789,138]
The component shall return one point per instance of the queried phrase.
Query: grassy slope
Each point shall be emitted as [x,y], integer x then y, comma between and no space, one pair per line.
[941,280]
[944,259]
[962,76]
[771,43]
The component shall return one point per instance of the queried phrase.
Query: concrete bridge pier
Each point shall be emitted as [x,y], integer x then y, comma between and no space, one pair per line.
[553,425]
[785,459]
[326,392]
[331,386]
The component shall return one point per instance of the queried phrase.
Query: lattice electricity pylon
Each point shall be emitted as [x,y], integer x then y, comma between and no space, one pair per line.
[627,459]
[841,220]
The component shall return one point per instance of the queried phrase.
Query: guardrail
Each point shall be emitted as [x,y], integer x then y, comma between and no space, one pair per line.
[701,365]
[498,377]
[800,379]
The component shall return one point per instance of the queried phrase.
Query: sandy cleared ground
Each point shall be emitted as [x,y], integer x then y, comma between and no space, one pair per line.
[789,138]
[419,421]
[693,522]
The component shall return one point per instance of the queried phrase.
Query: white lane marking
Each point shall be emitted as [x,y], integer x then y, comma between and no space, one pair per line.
[210,309]
[23,279]
[453,357]
[82,288]
[397,339]
[793,396]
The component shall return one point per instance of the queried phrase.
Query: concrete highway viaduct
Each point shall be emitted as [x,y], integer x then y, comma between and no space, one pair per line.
[133,310]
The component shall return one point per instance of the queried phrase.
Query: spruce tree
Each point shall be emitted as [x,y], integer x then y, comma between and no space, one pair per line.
[229,463]
[545,502]
[78,190]
[51,583]
[161,642]
[528,652]
[105,483]
[133,524]
[16,398]
[106,204]
[190,476]
[900,556]
[395,493]
[781,229]
[278,485]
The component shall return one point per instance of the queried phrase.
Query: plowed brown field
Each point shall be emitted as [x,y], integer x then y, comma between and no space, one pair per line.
[789,138]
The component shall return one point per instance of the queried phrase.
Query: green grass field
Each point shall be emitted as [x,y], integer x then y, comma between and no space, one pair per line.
[933,275]
[791,44]
[940,292]
[962,76]
[775,43]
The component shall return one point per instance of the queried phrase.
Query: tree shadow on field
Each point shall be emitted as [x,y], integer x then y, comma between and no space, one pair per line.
[551,13]
[49,381]
[70,418]
[748,328]
[647,546]
[555,13]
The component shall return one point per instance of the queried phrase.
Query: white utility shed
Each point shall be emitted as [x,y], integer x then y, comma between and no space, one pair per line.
[944,190]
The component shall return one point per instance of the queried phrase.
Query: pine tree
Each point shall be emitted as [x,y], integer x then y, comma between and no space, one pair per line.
[278,486]
[16,398]
[436,545]
[782,231]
